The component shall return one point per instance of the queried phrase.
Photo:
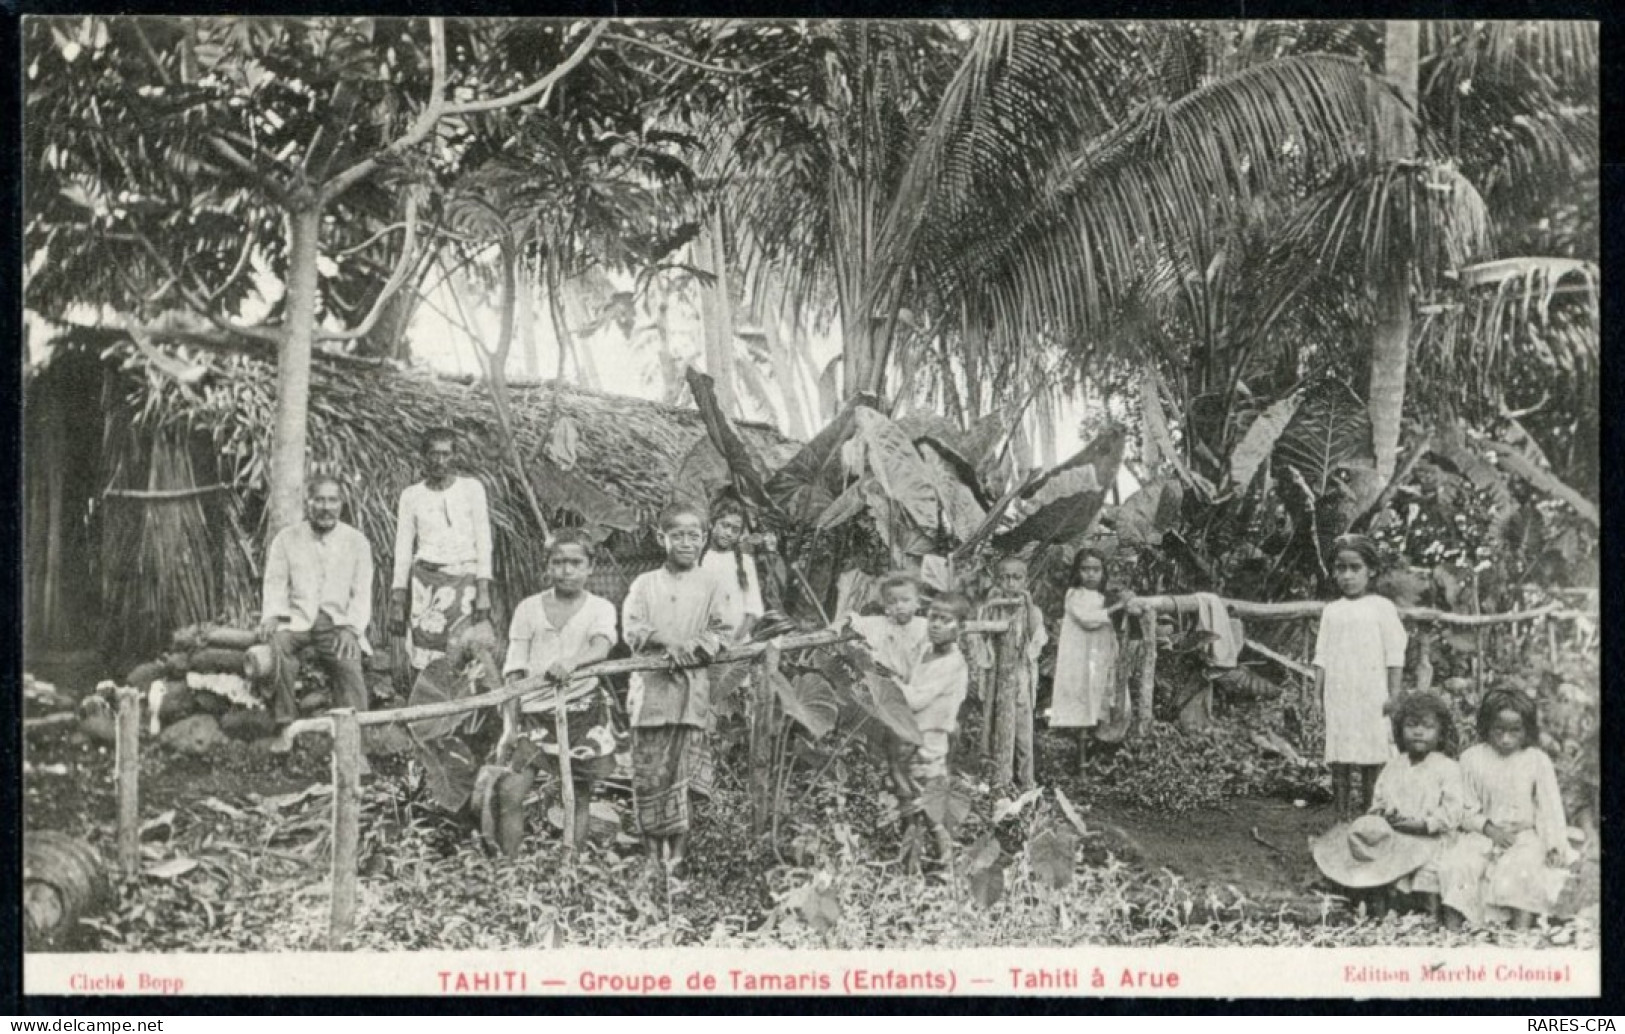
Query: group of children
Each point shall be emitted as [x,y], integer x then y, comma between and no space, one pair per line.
[704,598]
[1483,838]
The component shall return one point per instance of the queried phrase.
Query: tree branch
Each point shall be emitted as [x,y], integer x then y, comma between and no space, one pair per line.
[540,86]
[236,270]
[393,284]
[690,62]
[202,305]
[1521,465]
[236,160]
[370,241]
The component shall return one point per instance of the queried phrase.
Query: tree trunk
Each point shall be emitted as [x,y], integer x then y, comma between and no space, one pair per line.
[525,314]
[784,371]
[1390,345]
[716,316]
[293,373]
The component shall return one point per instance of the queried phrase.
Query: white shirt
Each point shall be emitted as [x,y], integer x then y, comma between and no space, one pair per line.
[534,643]
[450,528]
[739,602]
[307,573]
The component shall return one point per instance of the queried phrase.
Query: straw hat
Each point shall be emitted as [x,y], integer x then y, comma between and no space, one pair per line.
[1368,853]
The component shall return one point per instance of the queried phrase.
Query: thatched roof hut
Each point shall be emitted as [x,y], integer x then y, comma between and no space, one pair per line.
[146,475]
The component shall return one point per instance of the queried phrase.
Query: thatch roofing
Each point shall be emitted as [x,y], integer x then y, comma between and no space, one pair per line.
[365,423]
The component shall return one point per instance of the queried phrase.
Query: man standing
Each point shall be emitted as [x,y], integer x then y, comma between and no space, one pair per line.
[318,593]
[442,553]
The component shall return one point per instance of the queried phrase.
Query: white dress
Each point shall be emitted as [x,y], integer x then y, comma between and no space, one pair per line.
[1085,662]
[1518,793]
[1359,641]
[739,601]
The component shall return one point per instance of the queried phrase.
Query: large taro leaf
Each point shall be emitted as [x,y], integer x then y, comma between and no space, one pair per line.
[702,473]
[810,700]
[962,469]
[946,803]
[883,700]
[849,504]
[1330,431]
[561,489]
[909,484]
[1259,441]
[437,683]
[963,506]
[449,770]
[1052,856]
[806,485]
[1146,514]
[745,469]
[1064,502]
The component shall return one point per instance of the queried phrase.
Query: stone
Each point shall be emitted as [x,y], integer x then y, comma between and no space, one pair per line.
[205,702]
[179,703]
[196,735]
[314,702]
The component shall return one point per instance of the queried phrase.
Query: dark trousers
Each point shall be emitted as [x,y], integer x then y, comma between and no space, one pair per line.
[349,685]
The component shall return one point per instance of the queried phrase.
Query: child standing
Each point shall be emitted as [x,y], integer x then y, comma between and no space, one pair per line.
[1011,722]
[676,610]
[1418,795]
[935,688]
[1509,862]
[733,568]
[555,632]
[1086,655]
[1359,658]
[895,637]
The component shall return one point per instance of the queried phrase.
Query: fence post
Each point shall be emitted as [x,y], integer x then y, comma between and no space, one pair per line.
[1148,670]
[127,758]
[567,785]
[1007,663]
[763,718]
[346,824]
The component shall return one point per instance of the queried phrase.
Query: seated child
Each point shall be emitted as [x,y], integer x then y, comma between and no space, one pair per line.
[557,631]
[1509,862]
[935,688]
[1419,792]
[1415,807]
[896,636]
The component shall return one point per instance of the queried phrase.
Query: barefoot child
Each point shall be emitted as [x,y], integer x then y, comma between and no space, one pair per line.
[1086,655]
[1418,796]
[935,688]
[676,610]
[733,568]
[1359,658]
[1012,751]
[896,636]
[555,632]
[1509,862]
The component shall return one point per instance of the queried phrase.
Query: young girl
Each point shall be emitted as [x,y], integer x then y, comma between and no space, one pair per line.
[1086,654]
[1359,657]
[1509,861]
[1419,792]
[733,568]
[557,631]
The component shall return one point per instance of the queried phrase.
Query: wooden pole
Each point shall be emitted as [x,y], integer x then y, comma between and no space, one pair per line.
[763,723]
[1007,662]
[127,758]
[567,786]
[1148,671]
[346,824]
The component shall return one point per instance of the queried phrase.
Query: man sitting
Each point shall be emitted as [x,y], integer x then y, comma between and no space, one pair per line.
[318,593]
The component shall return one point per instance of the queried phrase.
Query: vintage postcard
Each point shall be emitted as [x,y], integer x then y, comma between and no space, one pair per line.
[818,507]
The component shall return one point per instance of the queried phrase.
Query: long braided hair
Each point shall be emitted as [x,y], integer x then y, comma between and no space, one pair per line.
[725,507]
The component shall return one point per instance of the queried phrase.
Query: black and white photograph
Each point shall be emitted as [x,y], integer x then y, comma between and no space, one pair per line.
[856,507]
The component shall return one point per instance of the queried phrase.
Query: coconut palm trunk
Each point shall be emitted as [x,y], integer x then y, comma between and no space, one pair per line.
[1390,343]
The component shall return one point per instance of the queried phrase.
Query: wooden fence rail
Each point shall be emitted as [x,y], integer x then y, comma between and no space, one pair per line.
[346,725]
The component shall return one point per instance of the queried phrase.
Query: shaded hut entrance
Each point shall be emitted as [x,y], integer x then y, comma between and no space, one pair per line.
[145,478]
